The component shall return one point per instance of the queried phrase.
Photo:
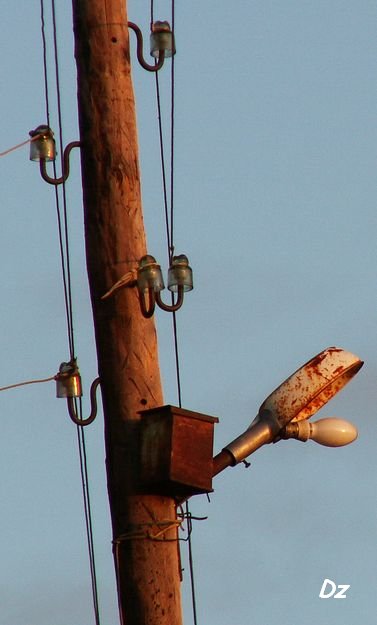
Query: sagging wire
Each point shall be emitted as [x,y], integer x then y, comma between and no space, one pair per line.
[67,288]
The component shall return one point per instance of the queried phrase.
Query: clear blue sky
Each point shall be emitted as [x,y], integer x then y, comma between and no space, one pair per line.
[275,196]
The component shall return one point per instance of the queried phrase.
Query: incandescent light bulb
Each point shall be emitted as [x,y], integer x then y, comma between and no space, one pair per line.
[331,432]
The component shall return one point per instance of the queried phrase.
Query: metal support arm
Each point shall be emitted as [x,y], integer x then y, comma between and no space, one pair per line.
[65,173]
[93,406]
[139,51]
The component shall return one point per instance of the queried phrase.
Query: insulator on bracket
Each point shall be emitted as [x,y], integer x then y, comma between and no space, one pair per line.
[68,381]
[42,144]
[162,39]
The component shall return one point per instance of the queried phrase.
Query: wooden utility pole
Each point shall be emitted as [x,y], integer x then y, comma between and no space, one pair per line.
[144,526]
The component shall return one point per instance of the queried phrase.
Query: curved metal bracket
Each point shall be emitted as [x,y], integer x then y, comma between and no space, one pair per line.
[63,178]
[147,311]
[139,51]
[154,298]
[93,406]
[172,307]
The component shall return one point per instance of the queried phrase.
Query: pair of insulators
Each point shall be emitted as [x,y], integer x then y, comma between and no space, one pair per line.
[149,275]
[42,144]
[161,39]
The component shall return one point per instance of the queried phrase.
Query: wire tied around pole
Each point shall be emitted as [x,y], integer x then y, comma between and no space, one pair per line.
[143,531]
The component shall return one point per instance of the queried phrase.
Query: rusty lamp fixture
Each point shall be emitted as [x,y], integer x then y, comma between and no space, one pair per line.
[285,412]
[150,283]
[176,444]
[43,149]
[162,44]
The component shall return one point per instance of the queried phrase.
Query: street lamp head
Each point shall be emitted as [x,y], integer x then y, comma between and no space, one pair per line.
[312,385]
[294,401]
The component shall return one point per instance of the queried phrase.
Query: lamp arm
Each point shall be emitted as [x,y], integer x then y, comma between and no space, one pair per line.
[262,431]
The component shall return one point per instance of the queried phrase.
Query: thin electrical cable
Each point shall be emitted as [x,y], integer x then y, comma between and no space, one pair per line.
[88,513]
[191,564]
[64,272]
[19,145]
[169,224]
[82,447]
[40,381]
[57,201]
[172,136]
[177,362]
[44,46]
[65,218]
[175,329]
[163,168]
[67,286]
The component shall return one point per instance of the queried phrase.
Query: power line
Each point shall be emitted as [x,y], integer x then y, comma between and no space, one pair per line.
[62,222]
[169,225]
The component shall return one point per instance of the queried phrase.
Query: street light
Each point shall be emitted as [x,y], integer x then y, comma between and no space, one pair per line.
[284,413]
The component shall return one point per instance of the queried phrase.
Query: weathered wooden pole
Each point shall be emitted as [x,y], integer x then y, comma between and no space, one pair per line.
[144,526]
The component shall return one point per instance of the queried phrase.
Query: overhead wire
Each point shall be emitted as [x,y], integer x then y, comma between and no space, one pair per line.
[169,225]
[65,217]
[57,199]
[63,235]
[45,73]
[172,134]
[88,513]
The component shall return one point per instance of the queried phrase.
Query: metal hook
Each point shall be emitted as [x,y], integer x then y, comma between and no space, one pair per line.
[154,298]
[65,174]
[139,51]
[173,307]
[93,406]
[147,311]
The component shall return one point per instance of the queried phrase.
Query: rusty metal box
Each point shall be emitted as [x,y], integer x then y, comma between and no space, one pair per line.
[176,451]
